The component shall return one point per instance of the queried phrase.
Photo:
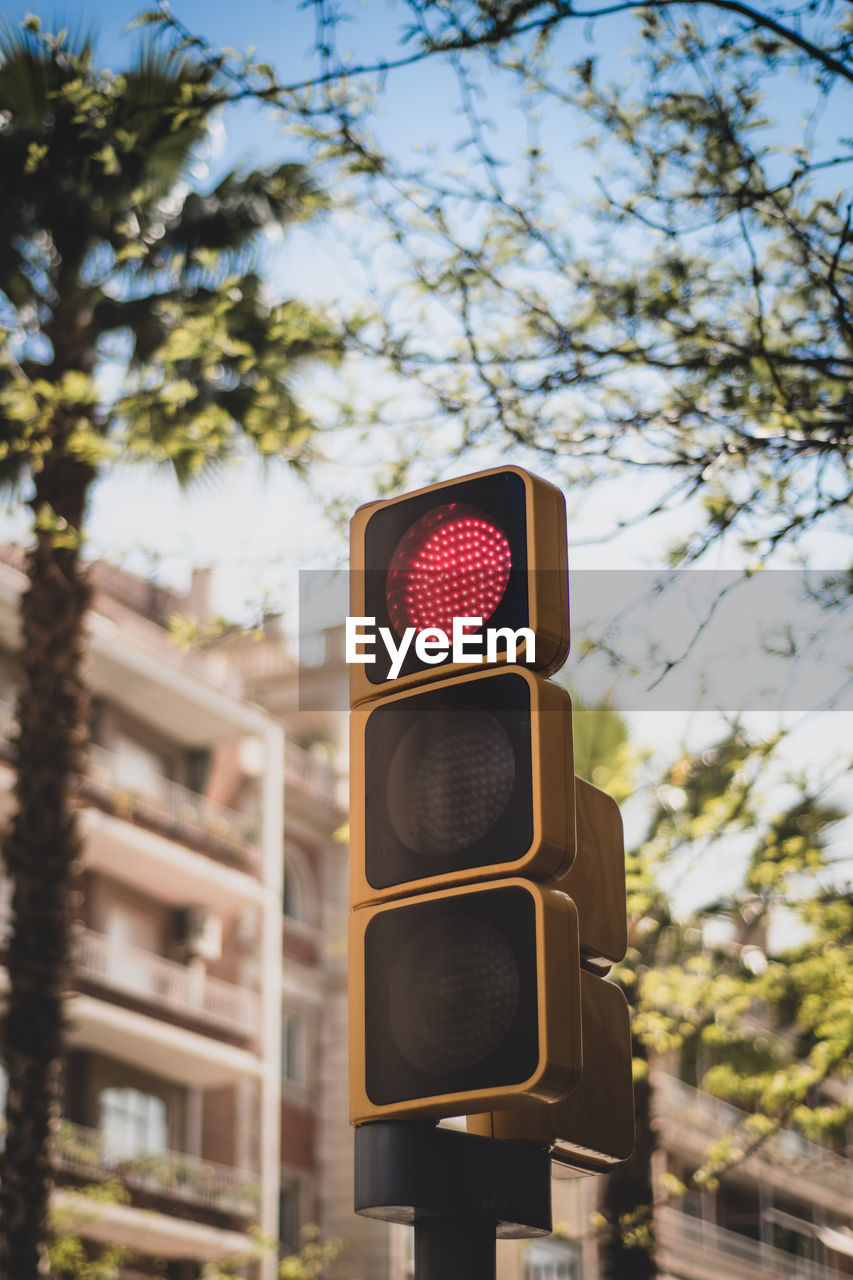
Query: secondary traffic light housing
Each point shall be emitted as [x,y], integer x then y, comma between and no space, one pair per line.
[595,878]
[592,1129]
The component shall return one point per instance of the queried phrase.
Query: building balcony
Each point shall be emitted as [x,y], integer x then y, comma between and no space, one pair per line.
[691,1120]
[188,993]
[167,1049]
[149,1233]
[698,1250]
[172,810]
[176,1051]
[87,1154]
[148,861]
[167,808]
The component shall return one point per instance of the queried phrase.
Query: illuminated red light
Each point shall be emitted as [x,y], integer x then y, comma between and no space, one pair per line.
[452,563]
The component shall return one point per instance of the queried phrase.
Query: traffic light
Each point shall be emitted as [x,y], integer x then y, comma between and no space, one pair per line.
[460,780]
[475,905]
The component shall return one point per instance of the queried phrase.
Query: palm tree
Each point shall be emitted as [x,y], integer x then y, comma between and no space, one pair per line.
[108,258]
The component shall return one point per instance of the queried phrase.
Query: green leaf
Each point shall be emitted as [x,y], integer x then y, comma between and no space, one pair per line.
[150,18]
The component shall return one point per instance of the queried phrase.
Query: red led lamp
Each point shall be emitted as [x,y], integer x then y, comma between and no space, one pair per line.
[452,563]
[490,546]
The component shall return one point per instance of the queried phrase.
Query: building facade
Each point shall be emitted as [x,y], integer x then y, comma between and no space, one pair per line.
[783,1213]
[172,1080]
[207,1063]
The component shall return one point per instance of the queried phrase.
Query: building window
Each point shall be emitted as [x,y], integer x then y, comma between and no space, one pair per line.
[300,904]
[791,1232]
[294,1048]
[294,896]
[180,1269]
[289,1214]
[132,1123]
[552,1260]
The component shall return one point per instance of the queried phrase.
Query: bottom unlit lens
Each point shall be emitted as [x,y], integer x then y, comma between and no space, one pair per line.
[453,994]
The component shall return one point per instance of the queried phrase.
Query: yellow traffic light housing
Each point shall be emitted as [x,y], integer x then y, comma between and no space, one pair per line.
[592,1129]
[460,780]
[487,883]
[463,997]
[595,878]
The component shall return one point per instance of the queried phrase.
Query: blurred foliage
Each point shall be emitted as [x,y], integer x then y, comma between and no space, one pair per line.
[110,261]
[70,1258]
[747,995]
[608,270]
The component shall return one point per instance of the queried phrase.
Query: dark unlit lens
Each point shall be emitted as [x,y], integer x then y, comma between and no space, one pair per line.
[453,995]
[450,780]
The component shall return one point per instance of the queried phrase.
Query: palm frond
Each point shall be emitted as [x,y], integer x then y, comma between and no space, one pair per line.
[241,205]
[149,109]
[30,71]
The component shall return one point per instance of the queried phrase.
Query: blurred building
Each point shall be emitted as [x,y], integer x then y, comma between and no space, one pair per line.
[207,1069]
[783,1213]
[172,1085]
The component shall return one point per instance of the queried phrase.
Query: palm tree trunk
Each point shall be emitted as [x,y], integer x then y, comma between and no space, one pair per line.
[41,853]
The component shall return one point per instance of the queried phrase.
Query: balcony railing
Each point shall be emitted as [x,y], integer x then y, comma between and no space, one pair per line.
[709,1118]
[169,807]
[166,806]
[304,772]
[150,635]
[727,1253]
[87,1153]
[188,992]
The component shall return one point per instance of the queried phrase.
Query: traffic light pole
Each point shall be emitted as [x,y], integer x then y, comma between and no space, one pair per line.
[459,1191]
[454,1249]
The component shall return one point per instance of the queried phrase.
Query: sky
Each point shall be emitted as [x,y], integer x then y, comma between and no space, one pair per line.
[257,526]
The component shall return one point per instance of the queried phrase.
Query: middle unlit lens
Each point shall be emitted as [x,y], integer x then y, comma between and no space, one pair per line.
[450,779]
[453,994]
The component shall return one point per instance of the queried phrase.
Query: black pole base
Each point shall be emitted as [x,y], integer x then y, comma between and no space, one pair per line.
[411,1172]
